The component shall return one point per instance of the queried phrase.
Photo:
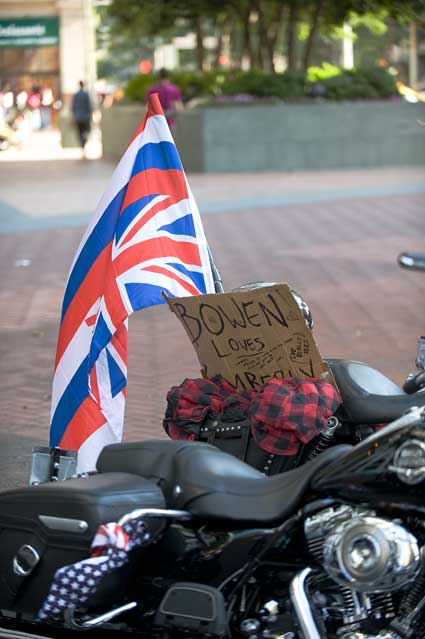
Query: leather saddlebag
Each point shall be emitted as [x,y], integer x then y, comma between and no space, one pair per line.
[236,439]
[45,527]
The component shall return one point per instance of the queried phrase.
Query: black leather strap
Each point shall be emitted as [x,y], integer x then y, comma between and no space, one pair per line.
[236,439]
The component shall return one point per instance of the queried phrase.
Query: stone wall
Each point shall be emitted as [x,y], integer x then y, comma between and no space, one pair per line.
[285,137]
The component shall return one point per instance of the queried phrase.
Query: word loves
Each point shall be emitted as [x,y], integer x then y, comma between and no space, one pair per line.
[250,336]
[245,345]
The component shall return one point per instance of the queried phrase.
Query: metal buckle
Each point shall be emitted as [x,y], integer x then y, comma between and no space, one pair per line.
[25,560]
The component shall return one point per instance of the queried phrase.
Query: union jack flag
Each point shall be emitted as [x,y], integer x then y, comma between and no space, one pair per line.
[146,237]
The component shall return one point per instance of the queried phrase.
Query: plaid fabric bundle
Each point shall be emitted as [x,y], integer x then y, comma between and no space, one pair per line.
[283,413]
[73,585]
[196,400]
[287,412]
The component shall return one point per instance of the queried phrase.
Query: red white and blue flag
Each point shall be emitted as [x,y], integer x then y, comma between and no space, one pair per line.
[145,237]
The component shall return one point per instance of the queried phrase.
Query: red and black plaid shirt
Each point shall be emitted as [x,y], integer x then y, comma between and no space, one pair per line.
[283,413]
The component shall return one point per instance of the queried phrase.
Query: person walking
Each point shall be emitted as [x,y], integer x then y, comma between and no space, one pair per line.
[169,95]
[82,111]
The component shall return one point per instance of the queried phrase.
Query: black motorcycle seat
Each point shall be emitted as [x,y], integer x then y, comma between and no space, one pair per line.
[212,484]
[368,397]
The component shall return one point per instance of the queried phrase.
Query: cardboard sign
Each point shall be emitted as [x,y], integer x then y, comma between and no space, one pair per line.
[250,336]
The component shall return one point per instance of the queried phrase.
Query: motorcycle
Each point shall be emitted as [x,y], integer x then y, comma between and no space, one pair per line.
[331,550]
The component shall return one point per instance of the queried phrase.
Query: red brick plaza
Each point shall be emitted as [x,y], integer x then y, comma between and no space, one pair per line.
[333,236]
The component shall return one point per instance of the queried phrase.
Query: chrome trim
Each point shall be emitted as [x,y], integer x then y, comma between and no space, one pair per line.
[405,465]
[154,512]
[357,634]
[7,633]
[64,523]
[409,476]
[96,621]
[18,569]
[332,425]
[415,416]
[371,554]
[302,607]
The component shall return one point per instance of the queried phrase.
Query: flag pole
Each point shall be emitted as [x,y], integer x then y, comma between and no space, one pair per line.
[218,283]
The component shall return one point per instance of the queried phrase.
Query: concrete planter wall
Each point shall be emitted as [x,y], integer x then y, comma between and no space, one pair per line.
[285,137]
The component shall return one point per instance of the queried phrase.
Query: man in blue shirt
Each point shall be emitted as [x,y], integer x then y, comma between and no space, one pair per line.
[82,110]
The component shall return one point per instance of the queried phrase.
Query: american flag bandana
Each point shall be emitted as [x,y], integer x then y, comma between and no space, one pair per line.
[73,585]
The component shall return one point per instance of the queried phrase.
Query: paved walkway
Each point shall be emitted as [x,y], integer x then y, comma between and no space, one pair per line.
[334,236]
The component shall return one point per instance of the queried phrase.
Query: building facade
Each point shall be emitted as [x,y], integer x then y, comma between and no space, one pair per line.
[48,44]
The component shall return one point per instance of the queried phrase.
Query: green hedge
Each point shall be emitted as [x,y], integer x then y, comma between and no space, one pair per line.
[192,84]
[371,84]
[327,82]
[263,85]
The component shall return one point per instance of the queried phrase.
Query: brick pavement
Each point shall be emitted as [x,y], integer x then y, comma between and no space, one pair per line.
[334,236]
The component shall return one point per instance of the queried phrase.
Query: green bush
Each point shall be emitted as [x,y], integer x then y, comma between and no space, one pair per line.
[360,84]
[138,86]
[318,74]
[192,84]
[381,80]
[328,81]
[279,85]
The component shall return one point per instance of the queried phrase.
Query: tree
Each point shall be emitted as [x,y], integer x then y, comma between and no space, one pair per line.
[159,17]
[258,29]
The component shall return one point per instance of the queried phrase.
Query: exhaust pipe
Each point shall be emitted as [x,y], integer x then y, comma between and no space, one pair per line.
[302,606]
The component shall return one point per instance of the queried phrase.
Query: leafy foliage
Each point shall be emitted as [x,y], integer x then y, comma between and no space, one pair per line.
[256,33]
[318,74]
[360,84]
[191,83]
[137,87]
[287,85]
[335,83]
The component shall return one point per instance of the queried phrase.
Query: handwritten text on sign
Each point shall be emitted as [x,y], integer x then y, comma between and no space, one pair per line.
[250,336]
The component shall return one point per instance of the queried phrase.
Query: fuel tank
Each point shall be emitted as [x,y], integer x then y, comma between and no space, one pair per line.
[385,471]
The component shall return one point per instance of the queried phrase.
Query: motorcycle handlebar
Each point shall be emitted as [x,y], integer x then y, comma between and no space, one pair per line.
[415,261]
[414,384]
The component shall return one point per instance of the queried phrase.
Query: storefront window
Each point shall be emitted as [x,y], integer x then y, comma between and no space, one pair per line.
[32,60]
[29,70]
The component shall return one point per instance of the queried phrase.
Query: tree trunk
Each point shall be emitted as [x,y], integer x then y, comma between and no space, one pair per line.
[413,55]
[218,49]
[291,35]
[200,50]
[235,48]
[247,50]
[269,53]
[263,58]
[272,34]
[309,45]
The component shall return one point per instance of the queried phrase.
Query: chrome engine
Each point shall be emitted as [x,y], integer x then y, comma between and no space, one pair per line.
[362,552]
[369,559]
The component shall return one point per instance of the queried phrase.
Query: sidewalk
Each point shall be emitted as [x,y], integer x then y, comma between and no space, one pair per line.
[334,236]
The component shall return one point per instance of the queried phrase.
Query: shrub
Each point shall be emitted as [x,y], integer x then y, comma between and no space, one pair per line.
[327,81]
[384,83]
[318,74]
[358,84]
[279,85]
[138,86]
[192,84]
